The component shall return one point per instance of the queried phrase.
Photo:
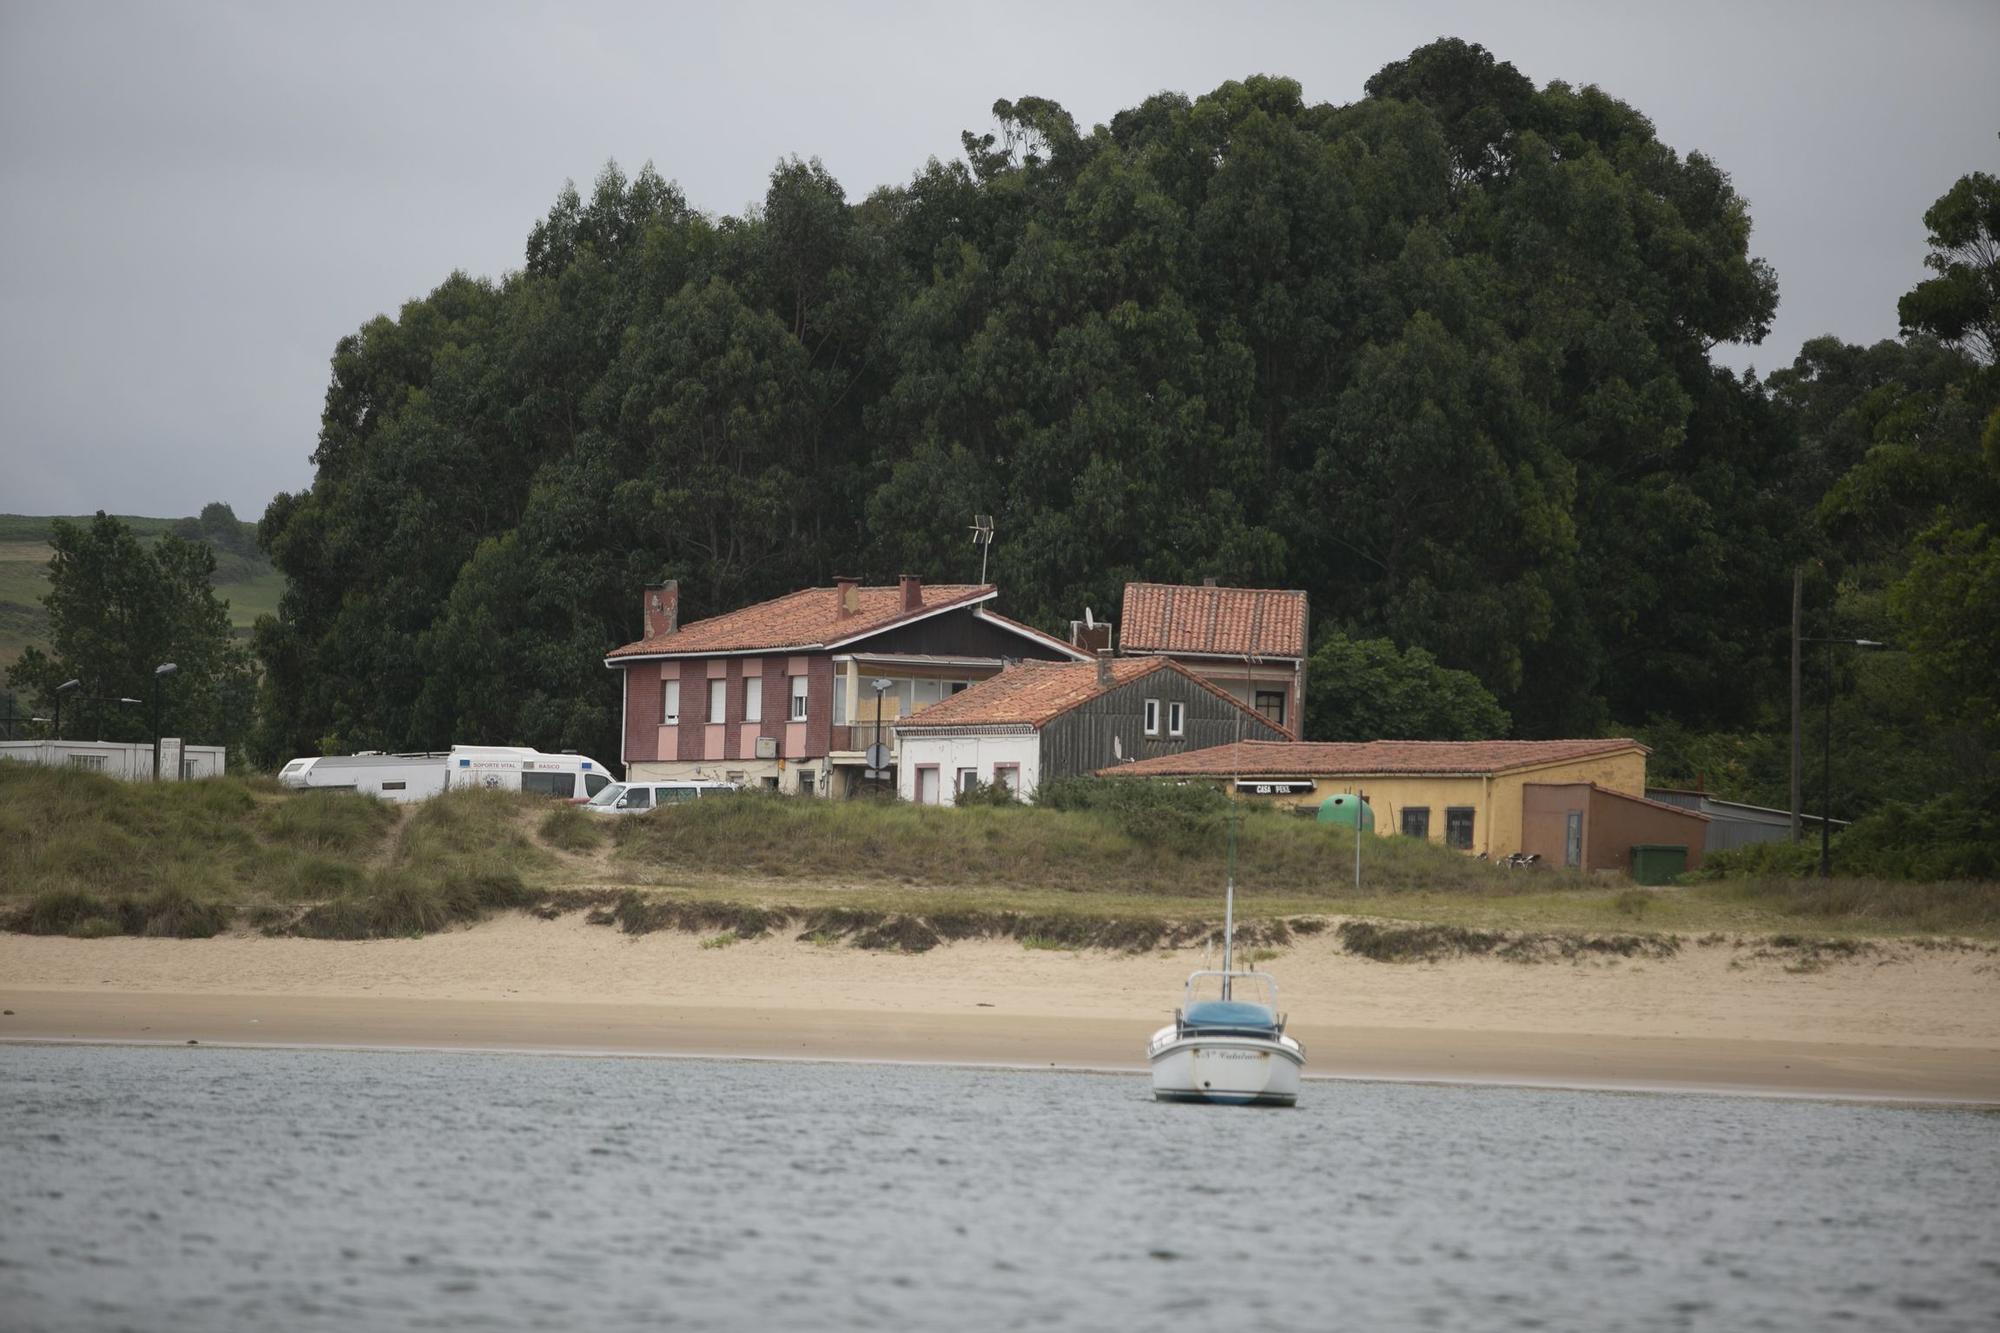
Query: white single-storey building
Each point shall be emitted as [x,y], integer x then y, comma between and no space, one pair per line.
[1037,721]
[129,761]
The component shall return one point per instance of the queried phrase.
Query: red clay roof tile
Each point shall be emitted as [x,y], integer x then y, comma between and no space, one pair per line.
[1342,758]
[803,620]
[1033,693]
[1225,622]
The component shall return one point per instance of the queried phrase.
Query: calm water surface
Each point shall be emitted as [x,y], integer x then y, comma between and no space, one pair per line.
[218,1190]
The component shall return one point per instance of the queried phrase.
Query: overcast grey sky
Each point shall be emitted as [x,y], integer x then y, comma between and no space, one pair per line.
[197,200]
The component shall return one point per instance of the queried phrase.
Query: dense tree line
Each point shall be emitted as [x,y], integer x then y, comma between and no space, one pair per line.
[1440,356]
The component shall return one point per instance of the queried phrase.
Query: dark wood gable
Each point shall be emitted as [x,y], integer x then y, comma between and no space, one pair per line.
[1080,741]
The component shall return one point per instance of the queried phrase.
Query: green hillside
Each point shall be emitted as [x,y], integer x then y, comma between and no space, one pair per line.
[243,577]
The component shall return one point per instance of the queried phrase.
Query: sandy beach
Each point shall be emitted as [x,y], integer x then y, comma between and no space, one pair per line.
[1896,1021]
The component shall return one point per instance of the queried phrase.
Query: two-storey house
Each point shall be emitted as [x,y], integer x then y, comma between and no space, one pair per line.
[787,694]
[1248,642]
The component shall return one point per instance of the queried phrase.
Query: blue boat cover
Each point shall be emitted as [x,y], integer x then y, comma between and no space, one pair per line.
[1229,1014]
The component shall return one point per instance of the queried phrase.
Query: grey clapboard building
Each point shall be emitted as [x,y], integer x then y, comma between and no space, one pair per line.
[1037,721]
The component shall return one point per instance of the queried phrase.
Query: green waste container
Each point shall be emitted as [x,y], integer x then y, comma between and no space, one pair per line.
[1345,808]
[1658,862]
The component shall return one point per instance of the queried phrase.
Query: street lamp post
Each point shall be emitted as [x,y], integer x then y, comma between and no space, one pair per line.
[161,671]
[881,686]
[1826,755]
[61,690]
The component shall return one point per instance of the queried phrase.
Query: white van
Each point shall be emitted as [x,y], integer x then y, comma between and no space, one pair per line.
[567,777]
[420,776]
[636,798]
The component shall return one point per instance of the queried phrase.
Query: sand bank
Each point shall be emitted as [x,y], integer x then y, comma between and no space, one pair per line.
[1899,1021]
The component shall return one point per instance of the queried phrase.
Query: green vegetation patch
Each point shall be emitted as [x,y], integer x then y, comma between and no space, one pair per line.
[1397,943]
[919,929]
[1151,839]
[569,829]
[1882,905]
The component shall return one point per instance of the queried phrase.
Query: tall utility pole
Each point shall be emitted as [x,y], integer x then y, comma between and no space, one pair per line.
[1826,752]
[1798,726]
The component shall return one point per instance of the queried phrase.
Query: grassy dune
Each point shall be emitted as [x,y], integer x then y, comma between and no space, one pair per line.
[83,855]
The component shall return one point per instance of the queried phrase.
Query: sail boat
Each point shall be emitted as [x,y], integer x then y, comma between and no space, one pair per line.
[1227,1043]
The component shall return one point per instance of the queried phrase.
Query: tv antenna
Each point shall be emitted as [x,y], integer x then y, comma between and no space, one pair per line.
[982,537]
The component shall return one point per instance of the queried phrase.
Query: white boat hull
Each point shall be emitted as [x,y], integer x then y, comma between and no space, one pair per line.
[1230,1070]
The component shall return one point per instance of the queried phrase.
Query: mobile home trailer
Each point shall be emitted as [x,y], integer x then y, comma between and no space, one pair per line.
[420,776]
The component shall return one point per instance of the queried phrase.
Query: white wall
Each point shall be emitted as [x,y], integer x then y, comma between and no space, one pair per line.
[130,761]
[951,753]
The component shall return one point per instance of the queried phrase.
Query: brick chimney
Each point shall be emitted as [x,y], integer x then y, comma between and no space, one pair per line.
[1092,638]
[846,594]
[913,592]
[1103,666]
[663,608]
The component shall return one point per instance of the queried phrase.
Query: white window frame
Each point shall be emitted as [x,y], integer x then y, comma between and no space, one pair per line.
[670,703]
[753,698]
[1152,727]
[1176,718]
[800,698]
[965,778]
[718,701]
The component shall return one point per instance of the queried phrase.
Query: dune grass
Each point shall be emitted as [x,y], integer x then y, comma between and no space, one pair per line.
[83,855]
[1079,851]
[568,829]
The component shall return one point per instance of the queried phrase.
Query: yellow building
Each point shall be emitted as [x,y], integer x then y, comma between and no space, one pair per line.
[1465,794]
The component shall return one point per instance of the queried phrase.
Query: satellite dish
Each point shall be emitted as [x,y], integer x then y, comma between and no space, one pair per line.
[1117,747]
[1088,621]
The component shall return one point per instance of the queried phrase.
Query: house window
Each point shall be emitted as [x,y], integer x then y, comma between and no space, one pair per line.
[968,778]
[1271,703]
[753,698]
[1176,719]
[1152,717]
[954,686]
[718,700]
[91,761]
[1416,821]
[805,777]
[1458,827]
[1008,776]
[394,786]
[799,706]
[925,693]
[733,776]
[670,703]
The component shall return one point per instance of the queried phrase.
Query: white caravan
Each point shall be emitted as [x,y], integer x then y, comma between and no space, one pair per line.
[420,776]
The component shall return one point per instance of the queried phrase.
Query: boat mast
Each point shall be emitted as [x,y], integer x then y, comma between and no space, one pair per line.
[1229,910]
